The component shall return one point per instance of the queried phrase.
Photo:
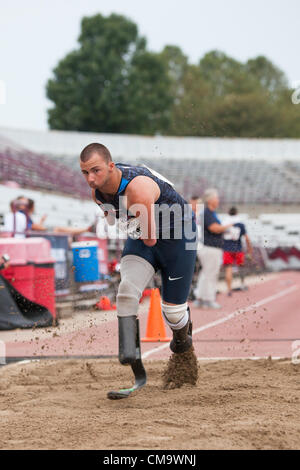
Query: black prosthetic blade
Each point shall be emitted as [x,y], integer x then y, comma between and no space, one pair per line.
[138,371]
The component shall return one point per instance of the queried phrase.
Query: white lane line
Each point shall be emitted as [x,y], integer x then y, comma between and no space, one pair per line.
[242,358]
[21,363]
[234,314]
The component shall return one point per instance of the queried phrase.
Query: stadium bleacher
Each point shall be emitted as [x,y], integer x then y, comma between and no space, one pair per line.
[239,182]
[36,171]
[272,230]
[246,171]
[51,181]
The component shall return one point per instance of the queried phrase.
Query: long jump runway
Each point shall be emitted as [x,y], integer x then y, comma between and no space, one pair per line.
[261,322]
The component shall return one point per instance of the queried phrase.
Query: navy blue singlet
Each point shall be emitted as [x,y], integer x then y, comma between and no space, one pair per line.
[168,198]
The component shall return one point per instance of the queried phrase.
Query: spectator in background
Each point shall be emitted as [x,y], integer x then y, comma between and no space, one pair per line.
[195,201]
[211,253]
[15,222]
[233,251]
[19,221]
[30,224]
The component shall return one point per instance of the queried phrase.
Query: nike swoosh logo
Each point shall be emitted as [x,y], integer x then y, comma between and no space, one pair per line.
[174,278]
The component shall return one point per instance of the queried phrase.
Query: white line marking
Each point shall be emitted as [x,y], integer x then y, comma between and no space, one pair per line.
[20,363]
[234,314]
[241,358]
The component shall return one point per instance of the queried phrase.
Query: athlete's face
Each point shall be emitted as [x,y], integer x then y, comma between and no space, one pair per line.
[96,171]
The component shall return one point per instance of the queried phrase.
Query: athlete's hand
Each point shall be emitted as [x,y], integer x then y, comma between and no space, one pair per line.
[150,241]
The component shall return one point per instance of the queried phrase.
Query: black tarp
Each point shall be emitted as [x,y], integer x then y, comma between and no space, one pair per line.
[16,311]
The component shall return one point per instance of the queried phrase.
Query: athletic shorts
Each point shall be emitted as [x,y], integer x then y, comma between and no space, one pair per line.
[231,257]
[175,262]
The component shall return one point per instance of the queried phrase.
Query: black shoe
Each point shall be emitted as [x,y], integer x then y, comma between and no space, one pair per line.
[182,339]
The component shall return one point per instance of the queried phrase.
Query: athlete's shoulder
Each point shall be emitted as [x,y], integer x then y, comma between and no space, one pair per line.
[141,186]
[125,165]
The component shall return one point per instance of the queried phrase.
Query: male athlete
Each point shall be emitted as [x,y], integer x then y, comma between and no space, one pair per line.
[163,238]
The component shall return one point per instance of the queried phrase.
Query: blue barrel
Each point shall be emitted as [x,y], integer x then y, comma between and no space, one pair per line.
[85,261]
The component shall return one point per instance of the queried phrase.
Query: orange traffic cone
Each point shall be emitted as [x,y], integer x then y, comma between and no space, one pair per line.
[104,304]
[155,326]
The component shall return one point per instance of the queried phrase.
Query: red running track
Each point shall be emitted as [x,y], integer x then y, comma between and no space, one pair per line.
[263,321]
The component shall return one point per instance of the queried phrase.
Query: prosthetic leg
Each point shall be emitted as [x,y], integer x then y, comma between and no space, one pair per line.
[130,353]
[136,272]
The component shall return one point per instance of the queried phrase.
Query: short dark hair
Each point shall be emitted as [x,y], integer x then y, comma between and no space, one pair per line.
[95,148]
[30,204]
[233,211]
[194,197]
[16,203]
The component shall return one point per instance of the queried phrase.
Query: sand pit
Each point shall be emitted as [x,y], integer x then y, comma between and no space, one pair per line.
[235,405]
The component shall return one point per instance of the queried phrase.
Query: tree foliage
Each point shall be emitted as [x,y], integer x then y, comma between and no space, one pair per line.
[112,83]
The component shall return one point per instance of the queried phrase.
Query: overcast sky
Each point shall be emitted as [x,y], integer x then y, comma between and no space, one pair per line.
[36,34]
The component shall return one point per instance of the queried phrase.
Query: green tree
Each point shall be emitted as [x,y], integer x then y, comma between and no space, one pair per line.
[148,97]
[245,115]
[270,77]
[288,115]
[225,74]
[177,65]
[245,100]
[191,113]
[110,83]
